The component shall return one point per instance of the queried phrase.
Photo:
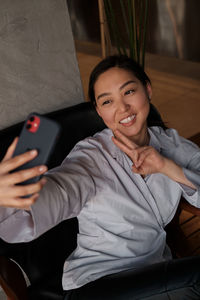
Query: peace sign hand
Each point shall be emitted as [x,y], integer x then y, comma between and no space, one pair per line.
[146,159]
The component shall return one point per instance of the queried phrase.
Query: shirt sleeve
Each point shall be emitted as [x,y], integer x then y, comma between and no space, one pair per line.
[187,155]
[192,173]
[16,225]
[67,190]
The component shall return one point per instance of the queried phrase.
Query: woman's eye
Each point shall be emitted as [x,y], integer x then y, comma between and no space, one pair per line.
[106,102]
[129,92]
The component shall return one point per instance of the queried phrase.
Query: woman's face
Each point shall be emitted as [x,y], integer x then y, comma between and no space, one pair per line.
[122,102]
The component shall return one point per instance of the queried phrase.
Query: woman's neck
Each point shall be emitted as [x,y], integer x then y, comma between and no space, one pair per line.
[142,139]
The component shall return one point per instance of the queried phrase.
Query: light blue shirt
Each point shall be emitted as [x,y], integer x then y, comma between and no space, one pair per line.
[121,215]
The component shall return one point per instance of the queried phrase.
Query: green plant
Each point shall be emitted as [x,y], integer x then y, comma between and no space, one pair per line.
[127,23]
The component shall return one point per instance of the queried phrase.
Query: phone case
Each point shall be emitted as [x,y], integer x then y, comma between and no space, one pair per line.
[38,133]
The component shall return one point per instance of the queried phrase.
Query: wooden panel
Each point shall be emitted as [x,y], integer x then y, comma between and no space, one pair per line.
[191,226]
[185,216]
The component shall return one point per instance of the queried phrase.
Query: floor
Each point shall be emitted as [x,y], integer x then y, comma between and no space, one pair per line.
[176,90]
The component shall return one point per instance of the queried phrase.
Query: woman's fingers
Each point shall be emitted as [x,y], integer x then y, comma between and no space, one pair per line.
[8,165]
[21,203]
[21,190]
[146,160]
[120,145]
[143,152]
[11,149]
[121,137]
[23,175]
[12,196]
[150,161]
[29,189]
[12,192]
[126,145]
[126,149]
[130,148]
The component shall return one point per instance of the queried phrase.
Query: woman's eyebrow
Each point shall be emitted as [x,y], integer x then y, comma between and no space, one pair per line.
[126,83]
[103,95]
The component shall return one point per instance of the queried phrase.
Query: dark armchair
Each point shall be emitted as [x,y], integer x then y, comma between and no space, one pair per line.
[42,259]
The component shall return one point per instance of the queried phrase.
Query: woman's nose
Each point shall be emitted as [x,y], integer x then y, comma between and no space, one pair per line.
[123,105]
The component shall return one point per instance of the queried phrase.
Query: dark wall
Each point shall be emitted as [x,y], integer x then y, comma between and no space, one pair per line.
[84,16]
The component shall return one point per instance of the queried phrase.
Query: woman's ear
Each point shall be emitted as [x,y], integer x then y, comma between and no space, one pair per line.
[149,90]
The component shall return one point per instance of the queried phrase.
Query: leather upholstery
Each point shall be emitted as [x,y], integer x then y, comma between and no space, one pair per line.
[77,122]
[148,281]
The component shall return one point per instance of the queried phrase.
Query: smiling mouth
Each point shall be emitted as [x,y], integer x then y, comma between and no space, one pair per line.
[127,120]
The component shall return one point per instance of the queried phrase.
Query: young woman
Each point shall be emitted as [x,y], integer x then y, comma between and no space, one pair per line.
[124,184]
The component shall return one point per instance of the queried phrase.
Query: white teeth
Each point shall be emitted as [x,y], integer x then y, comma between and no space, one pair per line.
[127,120]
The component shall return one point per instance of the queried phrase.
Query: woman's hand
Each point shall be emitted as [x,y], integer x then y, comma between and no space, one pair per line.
[147,160]
[10,193]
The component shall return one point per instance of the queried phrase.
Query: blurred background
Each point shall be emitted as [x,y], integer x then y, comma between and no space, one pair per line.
[172,26]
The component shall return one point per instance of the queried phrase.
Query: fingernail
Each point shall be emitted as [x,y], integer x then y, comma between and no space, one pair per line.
[33,152]
[42,169]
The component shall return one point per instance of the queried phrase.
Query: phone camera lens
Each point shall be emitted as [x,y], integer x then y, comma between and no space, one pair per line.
[32,119]
[28,126]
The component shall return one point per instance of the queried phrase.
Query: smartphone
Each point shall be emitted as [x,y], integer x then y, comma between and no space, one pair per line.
[38,133]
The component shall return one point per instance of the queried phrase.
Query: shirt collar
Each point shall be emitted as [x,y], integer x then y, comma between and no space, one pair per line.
[154,142]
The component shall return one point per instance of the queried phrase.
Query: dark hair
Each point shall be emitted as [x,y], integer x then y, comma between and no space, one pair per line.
[126,63]
[120,61]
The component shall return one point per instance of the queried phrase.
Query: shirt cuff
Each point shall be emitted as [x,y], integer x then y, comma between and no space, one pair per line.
[6,212]
[18,227]
[192,176]
[190,194]
[188,190]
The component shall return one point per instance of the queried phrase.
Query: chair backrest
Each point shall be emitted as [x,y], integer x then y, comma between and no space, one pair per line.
[77,122]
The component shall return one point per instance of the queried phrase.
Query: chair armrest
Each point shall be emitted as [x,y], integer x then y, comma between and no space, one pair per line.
[12,280]
[183,203]
[188,207]
[42,261]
